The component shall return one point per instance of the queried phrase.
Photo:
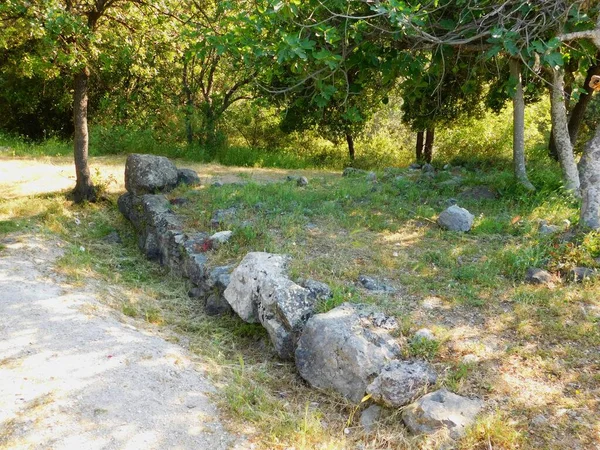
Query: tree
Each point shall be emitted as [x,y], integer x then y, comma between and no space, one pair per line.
[68,39]
[219,65]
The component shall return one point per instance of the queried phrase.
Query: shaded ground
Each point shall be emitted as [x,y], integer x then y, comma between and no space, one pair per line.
[73,376]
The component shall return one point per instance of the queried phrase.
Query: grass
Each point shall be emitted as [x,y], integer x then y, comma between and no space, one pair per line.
[535,347]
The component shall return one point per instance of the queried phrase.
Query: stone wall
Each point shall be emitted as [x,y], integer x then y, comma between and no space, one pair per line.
[350,349]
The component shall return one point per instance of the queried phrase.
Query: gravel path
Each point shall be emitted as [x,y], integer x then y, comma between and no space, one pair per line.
[74,377]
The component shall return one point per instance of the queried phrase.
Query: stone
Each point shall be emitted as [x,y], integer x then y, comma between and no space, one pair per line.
[221,216]
[112,238]
[217,184]
[342,350]
[414,166]
[317,290]
[455,218]
[400,382]
[188,176]
[351,171]
[159,229]
[374,285]
[149,174]
[424,333]
[216,305]
[470,359]
[441,409]
[538,276]
[178,201]
[546,229]
[579,274]
[427,168]
[479,193]
[302,181]
[260,291]
[221,237]
[369,417]
[371,176]
[539,420]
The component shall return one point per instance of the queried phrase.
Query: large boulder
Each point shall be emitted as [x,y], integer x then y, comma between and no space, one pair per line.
[149,174]
[344,350]
[456,218]
[260,291]
[441,409]
[400,382]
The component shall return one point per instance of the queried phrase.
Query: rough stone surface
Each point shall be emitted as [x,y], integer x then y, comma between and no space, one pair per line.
[374,285]
[221,216]
[188,176]
[221,237]
[216,305]
[580,274]
[456,218]
[424,333]
[317,290]
[159,229]
[178,201]
[427,168]
[538,276]
[149,174]
[441,409]
[548,229]
[369,417]
[302,181]
[414,166]
[112,238]
[343,350]
[260,291]
[400,382]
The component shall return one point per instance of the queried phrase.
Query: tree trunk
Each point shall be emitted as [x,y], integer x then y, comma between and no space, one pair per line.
[189,105]
[561,134]
[578,113]
[419,147]
[350,141]
[519,127]
[84,189]
[428,148]
[590,183]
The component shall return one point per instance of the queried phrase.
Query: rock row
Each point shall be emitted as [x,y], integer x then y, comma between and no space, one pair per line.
[349,349]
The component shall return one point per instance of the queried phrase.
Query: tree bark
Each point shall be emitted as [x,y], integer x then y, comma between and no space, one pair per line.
[350,141]
[562,139]
[519,127]
[428,148]
[84,188]
[577,114]
[590,184]
[189,105]
[419,147]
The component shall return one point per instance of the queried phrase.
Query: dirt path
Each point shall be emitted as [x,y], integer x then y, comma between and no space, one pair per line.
[74,377]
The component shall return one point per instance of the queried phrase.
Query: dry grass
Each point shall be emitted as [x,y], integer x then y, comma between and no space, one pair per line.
[532,350]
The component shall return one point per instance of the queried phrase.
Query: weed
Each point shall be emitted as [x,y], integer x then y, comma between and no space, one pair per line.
[421,347]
